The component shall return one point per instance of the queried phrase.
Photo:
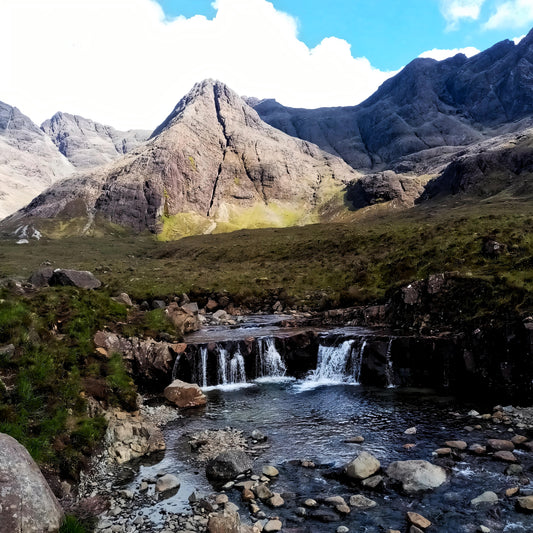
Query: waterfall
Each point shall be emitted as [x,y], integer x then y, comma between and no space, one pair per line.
[237,371]
[222,370]
[335,364]
[203,367]
[389,371]
[175,367]
[270,363]
[358,362]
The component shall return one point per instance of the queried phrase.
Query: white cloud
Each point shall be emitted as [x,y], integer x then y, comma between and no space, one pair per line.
[511,14]
[439,54]
[121,62]
[517,40]
[456,10]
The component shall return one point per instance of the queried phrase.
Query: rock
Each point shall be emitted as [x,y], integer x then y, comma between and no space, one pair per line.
[41,278]
[247,495]
[166,483]
[418,520]
[76,278]
[270,471]
[410,431]
[443,451]
[416,475]
[507,457]
[361,502]
[185,395]
[258,436]
[512,492]
[263,492]
[27,504]
[355,440]
[335,500]
[478,449]
[221,499]
[324,515]
[456,444]
[518,440]
[276,500]
[414,529]
[131,437]
[124,299]
[363,466]
[343,509]
[525,504]
[483,529]
[7,350]
[342,529]
[225,522]
[473,413]
[228,465]
[184,319]
[501,445]
[220,316]
[514,470]
[272,526]
[310,502]
[489,498]
[372,482]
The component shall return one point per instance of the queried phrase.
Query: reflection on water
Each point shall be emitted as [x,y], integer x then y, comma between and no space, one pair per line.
[313,423]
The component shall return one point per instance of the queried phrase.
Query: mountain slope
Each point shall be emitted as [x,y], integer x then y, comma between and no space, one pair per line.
[29,161]
[86,143]
[212,165]
[429,104]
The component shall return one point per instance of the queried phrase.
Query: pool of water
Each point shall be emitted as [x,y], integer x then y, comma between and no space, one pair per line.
[313,422]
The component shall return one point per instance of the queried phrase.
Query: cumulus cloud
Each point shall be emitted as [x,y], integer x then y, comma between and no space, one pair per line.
[511,14]
[456,10]
[440,54]
[123,63]
[516,40]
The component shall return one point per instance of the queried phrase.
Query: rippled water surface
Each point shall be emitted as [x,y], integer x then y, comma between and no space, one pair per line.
[306,421]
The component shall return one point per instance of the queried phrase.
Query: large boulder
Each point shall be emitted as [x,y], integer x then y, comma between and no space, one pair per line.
[416,475]
[41,278]
[185,394]
[27,504]
[184,318]
[228,465]
[227,521]
[363,466]
[82,279]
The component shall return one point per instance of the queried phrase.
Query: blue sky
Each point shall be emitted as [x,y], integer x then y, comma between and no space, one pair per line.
[128,62]
[389,33]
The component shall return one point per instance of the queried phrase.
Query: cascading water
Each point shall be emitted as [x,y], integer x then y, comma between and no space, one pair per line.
[358,362]
[270,364]
[389,371]
[203,367]
[237,371]
[334,364]
[222,370]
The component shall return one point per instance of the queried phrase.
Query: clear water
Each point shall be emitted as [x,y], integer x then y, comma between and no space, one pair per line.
[313,423]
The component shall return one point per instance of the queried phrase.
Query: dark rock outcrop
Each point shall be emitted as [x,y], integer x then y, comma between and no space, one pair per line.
[27,504]
[75,278]
[228,465]
[428,104]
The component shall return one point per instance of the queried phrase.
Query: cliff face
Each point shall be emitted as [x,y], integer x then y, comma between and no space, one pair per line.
[86,143]
[29,161]
[213,165]
[429,104]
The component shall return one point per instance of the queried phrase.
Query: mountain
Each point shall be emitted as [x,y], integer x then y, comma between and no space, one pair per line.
[212,165]
[29,161]
[428,105]
[86,143]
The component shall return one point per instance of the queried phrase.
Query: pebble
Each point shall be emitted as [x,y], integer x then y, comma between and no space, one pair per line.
[443,451]
[372,482]
[361,502]
[410,431]
[418,520]
[273,525]
[483,529]
[456,444]
[276,500]
[525,504]
[221,499]
[270,471]
[310,503]
[335,500]
[512,491]
[501,445]
[355,440]
[342,529]
[487,497]
[508,457]
[478,449]
[343,509]
[517,440]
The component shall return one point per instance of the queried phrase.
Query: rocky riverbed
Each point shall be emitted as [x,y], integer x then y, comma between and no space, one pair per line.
[386,461]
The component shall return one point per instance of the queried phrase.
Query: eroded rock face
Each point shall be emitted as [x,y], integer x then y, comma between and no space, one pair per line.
[86,143]
[131,436]
[416,475]
[29,161]
[214,164]
[27,504]
[185,395]
[428,105]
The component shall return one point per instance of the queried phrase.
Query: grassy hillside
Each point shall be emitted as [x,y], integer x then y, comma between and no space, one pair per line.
[321,265]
